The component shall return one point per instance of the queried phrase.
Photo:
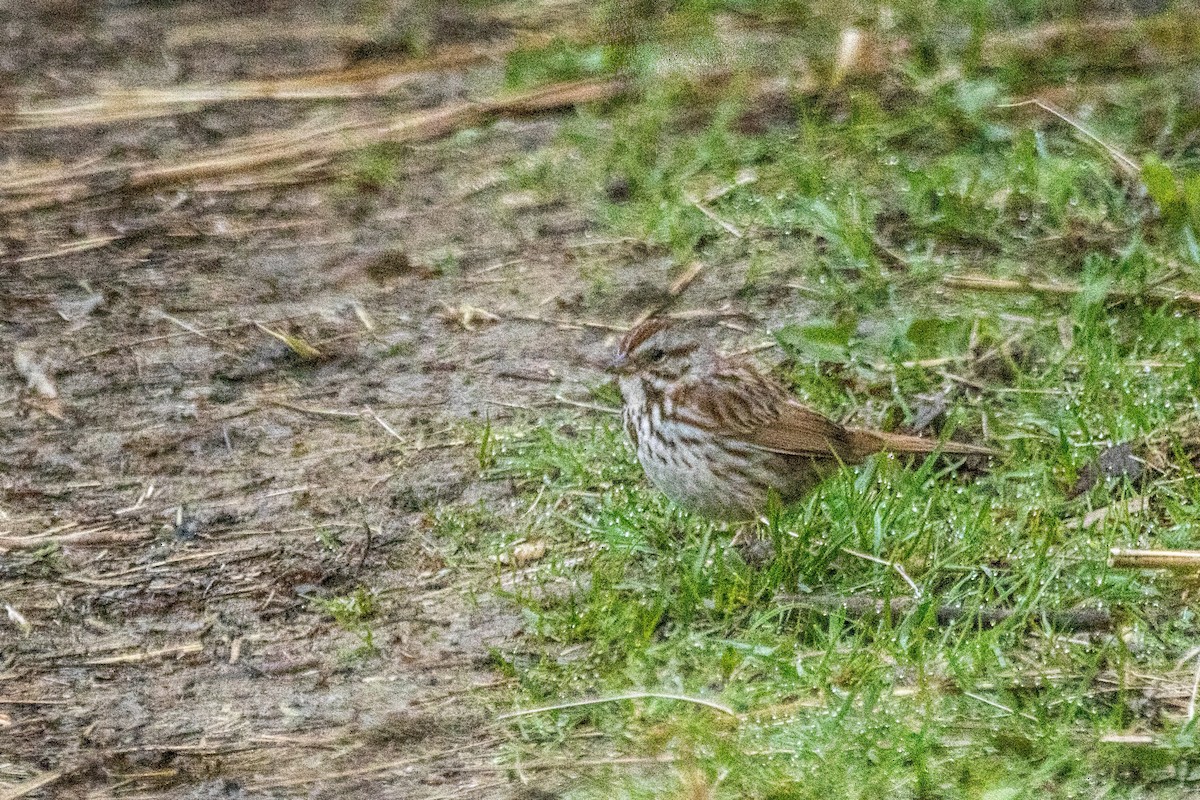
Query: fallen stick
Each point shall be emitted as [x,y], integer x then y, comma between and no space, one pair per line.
[1181,560]
[864,606]
[677,287]
[120,105]
[146,655]
[92,538]
[31,785]
[592,701]
[40,186]
[982,283]
[1127,165]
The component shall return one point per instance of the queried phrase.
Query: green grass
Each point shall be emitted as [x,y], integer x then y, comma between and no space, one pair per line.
[353,613]
[869,705]
[856,202]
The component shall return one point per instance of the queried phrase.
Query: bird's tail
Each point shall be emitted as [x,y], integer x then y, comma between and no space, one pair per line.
[863,443]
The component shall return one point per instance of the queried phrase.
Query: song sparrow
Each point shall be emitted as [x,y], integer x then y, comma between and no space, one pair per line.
[716,435]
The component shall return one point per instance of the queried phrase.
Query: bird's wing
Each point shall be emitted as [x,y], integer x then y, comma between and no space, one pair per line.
[754,409]
[801,431]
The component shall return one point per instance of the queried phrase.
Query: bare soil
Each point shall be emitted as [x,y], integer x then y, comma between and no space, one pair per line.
[170,518]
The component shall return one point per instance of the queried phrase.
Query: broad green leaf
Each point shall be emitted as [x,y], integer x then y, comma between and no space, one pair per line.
[822,341]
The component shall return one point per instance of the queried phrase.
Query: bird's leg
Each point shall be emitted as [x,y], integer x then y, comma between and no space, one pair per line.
[753,544]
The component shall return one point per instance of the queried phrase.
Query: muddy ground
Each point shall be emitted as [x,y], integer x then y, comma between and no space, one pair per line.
[171,519]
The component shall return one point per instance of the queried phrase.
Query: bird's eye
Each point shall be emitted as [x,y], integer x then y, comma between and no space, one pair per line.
[657,355]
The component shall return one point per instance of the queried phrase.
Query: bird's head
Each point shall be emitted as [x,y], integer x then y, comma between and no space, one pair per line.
[657,352]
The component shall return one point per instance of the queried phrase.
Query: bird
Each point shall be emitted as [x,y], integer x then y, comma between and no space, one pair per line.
[718,436]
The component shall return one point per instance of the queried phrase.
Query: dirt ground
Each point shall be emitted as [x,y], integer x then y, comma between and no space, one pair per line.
[171,517]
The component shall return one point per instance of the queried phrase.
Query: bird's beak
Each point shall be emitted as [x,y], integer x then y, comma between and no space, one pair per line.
[619,365]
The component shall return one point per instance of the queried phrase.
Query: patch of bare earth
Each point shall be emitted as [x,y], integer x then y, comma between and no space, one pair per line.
[224,399]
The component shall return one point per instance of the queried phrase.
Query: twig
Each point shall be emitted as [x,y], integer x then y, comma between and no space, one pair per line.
[87,538]
[383,424]
[357,82]
[589,406]
[21,701]
[1191,707]
[515,406]
[363,317]
[317,412]
[982,283]
[590,244]
[728,227]
[39,186]
[724,709]
[705,314]
[1127,164]
[568,763]
[1128,738]
[367,770]
[331,776]
[32,784]
[1182,560]
[1000,706]
[677,287]
[187,326]
[744,178]
[81,246]
[899,568]
[151,339]
[294,343]
[146,494]
[194,749]
[527,375]
[867,606]
[685,280]
[147,655]
[757,348]
[568,323]
[225,551]
[256,31]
